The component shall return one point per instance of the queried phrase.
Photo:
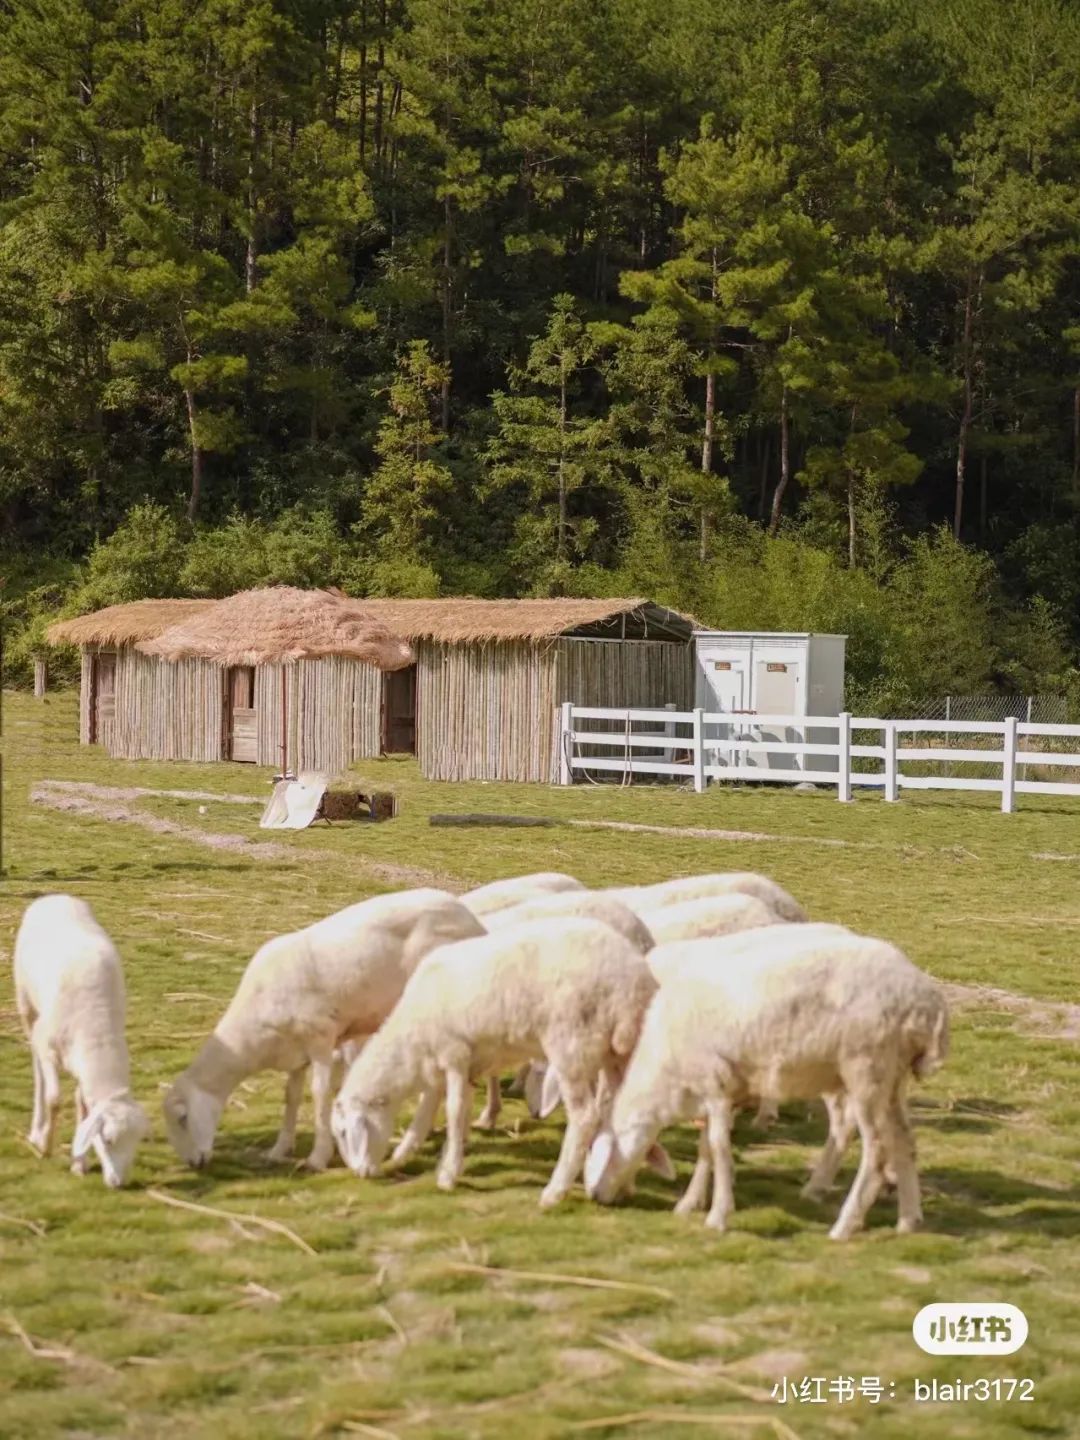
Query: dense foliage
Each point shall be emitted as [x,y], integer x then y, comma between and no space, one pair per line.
[766,307]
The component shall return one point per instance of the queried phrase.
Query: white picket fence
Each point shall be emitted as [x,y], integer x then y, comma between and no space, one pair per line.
[790,748]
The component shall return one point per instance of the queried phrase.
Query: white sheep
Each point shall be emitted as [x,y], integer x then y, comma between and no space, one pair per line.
[69,992]
[572,991]
[793,1012]
[303,996]
[644,899]
[487,899]
[708,916]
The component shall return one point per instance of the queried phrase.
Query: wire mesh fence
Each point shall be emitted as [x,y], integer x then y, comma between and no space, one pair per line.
[1046,709]
[1038,709]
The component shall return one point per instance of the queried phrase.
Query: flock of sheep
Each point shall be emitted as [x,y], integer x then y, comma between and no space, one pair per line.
[635,1007]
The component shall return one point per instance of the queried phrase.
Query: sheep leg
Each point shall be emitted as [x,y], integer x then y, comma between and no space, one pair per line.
[719,1118]
[322,1093]
[582,1123]
[841,1126]
[490,1113]
[868,1178]
[458,1107]
[900,1144]
[37,1119]
[43,1134]
[767,1114]
[420,1126]
[282,1147]
[697,1192]
[80,1167]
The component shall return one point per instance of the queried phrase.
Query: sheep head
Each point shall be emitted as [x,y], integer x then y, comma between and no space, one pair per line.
[191,1120]
[112,1129]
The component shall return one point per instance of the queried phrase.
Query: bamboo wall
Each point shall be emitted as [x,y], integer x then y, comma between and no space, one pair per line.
[164,711]
[333,713]
[488,711]
[85,686]
[485,711]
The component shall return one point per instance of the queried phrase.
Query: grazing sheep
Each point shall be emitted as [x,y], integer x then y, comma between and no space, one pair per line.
[643,899]
[708,916]
[500,894]
[542,1097]
[791,1013]
[573,991]
[302,996]
[69,992]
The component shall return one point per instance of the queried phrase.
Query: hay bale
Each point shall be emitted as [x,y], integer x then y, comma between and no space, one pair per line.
[350,800]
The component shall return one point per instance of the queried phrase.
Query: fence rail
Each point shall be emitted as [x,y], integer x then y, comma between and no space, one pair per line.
[699,746]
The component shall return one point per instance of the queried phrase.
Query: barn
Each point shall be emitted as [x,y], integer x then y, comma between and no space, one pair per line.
[477,701]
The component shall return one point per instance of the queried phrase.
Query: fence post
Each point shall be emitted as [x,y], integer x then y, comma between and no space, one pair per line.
[41,677]
[843,736]
[890,760]
[1008,768]
[669,730]
[699,750]
[566,743]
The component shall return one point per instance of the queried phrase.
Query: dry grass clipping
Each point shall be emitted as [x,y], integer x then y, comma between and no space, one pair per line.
[552,1277]
[238,1221]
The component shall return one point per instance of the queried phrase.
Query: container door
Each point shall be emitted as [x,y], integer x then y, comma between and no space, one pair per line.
[240,714]
[399,712]
[103,707]
[776,692]
[726,692]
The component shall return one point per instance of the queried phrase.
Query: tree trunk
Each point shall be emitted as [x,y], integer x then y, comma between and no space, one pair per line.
[965,416]
[560,545]
[446,306]
[363,82]
[851,558]
[252,255]
[706,459]
[763,488]
[982,498]
[196,455]
[1076,441]
[785,461]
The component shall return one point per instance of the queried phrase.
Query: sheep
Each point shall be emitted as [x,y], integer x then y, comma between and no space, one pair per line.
[791,1012]
[571,990]
[644,899]
[708,915]
[541,1095]
[690,920]
[69,992]
[500,894]
[302,996]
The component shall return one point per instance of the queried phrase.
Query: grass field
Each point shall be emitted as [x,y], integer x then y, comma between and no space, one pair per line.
[150,1321]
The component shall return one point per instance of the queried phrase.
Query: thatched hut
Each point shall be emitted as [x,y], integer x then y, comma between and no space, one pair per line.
[234,679]
[301,673]
[481,701]
[475,699]
[119,687]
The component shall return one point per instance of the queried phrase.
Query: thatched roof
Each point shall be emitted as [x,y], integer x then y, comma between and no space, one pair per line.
[261,627]
[461,620]
[124,624]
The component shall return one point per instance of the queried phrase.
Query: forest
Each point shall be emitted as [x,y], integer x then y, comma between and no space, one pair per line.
[767,309]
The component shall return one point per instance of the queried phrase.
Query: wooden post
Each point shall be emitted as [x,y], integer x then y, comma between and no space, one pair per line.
[566,742]
[699,750]
[843,736]
[1008,768]
[891,778]
[41,678]
[669,729]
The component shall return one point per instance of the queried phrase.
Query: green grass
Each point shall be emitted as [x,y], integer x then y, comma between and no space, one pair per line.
[177,1325]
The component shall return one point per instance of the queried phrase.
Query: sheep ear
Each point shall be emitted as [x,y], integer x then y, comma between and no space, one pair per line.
[550,1093]
[597,1160]
[658,1159]
[88,1132]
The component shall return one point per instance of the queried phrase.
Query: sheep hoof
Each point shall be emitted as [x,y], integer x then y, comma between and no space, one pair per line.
[79,1167]
[445,1181]
[810,1191]
[317,1160]
[37,1140]
[405,1150]
[908,1224]
[484,1121]
[716,1222]
[688,1204]
[550,1198]
[279,1151]
[842,1232]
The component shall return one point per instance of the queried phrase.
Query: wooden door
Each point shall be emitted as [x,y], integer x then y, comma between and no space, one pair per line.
[399,712]
[103,696]
[240,734]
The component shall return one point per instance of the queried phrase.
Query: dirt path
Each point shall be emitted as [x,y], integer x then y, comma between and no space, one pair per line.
[99,802]
[1049,1019]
